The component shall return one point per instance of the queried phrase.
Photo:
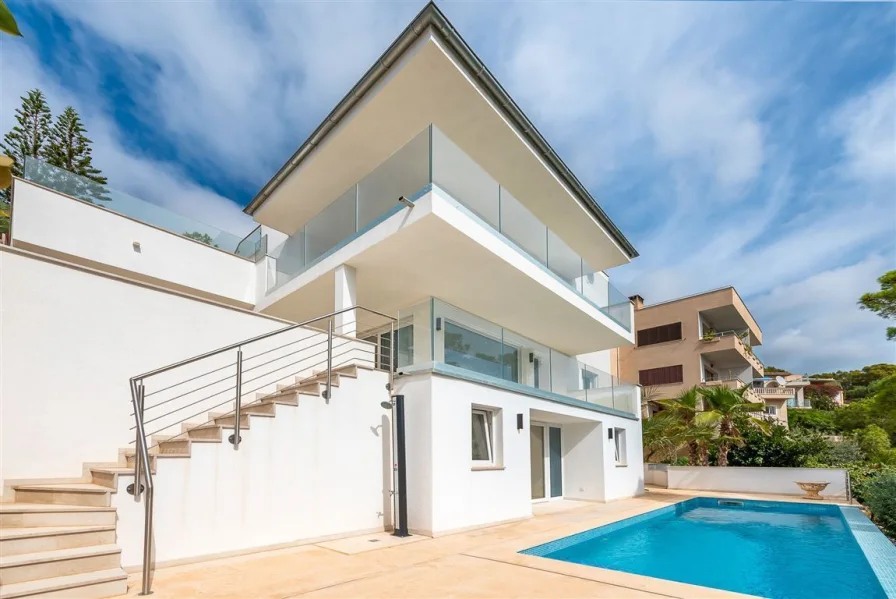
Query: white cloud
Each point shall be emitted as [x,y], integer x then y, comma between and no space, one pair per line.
[144,177]
[867,124]
[629,73]
[817,325]
[238,86]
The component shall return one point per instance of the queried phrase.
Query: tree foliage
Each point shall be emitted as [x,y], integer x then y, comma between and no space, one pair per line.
[879,494]
[813,420]
[65,146]
[874,442]
[883,302]
[858,384]
[201,237]
[778,448]
[7,21]
[29,135]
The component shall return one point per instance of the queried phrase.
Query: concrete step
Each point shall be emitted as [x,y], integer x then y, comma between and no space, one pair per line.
[259,409]
[64,494]
[27,567]
[284,398]
[28,515]
[107,476]
[204,432]
[88,585]
[15,541]
[229,421]
[130,454]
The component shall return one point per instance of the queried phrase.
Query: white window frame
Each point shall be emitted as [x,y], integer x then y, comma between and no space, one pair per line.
[489,419]
[620,453]
[771,410]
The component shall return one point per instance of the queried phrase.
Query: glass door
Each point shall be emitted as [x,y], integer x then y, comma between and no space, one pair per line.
[536,460]
[555,462]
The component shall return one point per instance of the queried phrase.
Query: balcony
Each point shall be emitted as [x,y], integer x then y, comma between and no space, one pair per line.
[429,162]
[459,343]
[106,198]
[731,345]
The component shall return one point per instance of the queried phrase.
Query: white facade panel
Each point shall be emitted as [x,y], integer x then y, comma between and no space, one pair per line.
[463,494]
[44,219]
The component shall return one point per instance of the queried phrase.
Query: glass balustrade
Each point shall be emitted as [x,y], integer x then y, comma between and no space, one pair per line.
[437,332]
[431,158]
[89,191]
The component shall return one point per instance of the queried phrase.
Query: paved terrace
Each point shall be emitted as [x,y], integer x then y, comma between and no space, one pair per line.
[480,563]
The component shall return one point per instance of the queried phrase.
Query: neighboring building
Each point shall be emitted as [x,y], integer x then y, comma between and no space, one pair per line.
[703,339]
[783,391]
[427,238]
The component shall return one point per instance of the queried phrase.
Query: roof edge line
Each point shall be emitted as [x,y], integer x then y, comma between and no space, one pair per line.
[432,16]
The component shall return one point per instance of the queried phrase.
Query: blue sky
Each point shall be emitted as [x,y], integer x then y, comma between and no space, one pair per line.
[745,144]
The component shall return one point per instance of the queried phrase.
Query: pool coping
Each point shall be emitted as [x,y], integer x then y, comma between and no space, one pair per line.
[511,551]
[878,549]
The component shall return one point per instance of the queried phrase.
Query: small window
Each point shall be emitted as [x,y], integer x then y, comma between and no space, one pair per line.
[660,334]
[619,441]
[483,444]
[773,410]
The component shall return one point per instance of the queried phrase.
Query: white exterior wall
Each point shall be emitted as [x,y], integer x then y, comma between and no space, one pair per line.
[61,224]
[71,339]
[318,470]
[739,479]
[446,494]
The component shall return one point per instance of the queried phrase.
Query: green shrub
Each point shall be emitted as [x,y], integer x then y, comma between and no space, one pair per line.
[861,475]
[874,441]
[841,453]
[813,420]
[880,499]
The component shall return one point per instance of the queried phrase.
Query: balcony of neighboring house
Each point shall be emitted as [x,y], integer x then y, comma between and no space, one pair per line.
[429,221]
[727,338]
[732,378]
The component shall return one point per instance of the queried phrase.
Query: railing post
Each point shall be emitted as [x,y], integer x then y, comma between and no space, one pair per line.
[137,391]
[146,588]
[239,399]
[329,360]
[393,355]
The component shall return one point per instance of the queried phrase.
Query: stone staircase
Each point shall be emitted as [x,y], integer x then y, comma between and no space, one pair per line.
[58,539]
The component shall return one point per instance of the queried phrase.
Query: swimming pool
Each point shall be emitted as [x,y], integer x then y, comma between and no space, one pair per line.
[772,549]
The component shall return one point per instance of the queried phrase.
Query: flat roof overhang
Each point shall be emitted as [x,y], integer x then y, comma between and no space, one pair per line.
[436,250]
[430,82]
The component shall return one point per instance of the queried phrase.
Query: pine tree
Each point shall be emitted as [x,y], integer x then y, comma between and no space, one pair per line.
[70,149]
[29,136]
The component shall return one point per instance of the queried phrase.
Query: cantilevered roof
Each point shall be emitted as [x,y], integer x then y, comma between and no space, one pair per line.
[432,19]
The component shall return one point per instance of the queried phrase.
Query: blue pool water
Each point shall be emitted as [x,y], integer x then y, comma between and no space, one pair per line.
[771,549]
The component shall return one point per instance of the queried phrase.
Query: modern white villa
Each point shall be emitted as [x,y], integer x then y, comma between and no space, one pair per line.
[421,323]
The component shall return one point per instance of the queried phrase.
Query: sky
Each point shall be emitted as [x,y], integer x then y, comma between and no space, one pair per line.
[744,144]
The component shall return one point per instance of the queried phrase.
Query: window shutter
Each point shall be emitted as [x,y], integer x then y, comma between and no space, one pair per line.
[660,334]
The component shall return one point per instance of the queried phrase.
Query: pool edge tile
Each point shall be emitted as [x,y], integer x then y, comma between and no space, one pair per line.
[877,548]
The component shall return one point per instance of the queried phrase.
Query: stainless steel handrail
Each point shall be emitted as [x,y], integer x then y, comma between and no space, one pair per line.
[291,327]
[142,463]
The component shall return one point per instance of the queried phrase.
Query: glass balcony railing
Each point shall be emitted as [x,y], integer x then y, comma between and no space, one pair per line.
[84,189]
[431,158]
[437,332]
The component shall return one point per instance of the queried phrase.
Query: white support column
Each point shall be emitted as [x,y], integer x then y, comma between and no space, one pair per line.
[345,297]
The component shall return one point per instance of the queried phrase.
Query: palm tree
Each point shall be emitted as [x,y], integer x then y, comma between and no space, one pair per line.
[662,435]
[697,425]
[729,407]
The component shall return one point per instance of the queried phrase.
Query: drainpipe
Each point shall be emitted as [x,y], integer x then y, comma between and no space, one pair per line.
[401,528]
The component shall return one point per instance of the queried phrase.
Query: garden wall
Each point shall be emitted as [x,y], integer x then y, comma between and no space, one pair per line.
[736,479]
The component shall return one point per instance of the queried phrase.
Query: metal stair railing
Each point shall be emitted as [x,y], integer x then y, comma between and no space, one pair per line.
[220,377]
